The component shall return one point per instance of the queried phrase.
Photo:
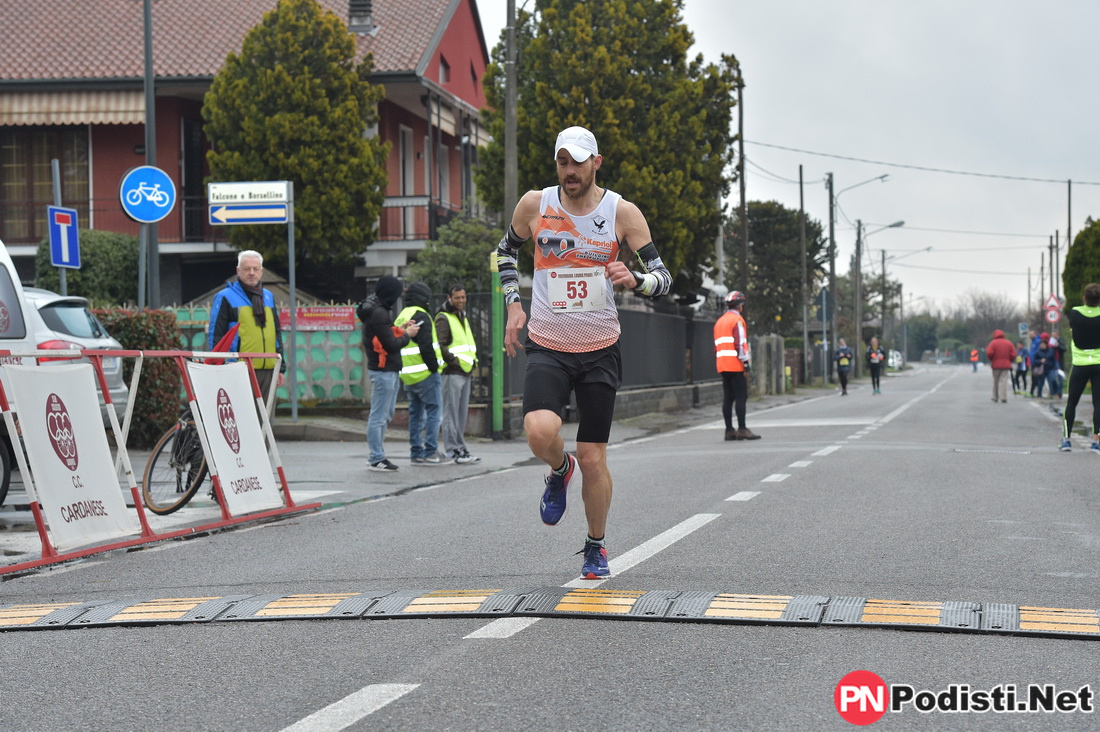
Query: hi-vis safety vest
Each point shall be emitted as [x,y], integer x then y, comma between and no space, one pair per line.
[731,344]
[413,368]
[974,355]
[462,345]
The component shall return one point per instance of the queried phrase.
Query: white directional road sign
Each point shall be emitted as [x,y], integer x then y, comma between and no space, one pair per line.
[256,202]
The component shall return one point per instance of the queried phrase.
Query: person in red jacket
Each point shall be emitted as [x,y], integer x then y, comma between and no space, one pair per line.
[1001,355]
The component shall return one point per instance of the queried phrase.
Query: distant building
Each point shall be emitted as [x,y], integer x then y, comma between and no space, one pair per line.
[72,88]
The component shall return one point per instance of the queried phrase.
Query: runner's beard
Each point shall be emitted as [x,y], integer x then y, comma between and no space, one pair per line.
[584,186]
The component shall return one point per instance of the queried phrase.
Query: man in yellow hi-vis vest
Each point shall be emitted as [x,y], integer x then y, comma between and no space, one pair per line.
[456,341]
[420,363]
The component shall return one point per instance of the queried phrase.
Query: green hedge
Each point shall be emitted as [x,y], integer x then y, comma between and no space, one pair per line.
[157,402]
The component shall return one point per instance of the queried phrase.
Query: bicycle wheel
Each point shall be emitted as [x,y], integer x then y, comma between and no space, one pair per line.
[175,470]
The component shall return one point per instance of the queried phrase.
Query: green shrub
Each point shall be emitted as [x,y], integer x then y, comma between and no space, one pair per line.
[157,402]
[108,271]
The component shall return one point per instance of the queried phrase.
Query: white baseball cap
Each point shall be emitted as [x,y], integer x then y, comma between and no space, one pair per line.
[579,142]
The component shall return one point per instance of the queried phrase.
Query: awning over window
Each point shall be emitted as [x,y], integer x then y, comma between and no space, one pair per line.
[73,108]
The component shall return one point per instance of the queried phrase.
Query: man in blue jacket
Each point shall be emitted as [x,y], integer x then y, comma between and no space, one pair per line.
[246,303]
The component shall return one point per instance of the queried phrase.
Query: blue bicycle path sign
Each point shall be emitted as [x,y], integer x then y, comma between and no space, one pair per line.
[147,194]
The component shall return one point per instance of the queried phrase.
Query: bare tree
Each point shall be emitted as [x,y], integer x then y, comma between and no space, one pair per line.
[988,312]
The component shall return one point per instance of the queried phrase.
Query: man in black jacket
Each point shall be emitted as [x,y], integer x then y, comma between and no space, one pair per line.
[383,343]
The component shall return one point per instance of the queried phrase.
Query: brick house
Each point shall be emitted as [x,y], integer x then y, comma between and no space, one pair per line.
[71,88]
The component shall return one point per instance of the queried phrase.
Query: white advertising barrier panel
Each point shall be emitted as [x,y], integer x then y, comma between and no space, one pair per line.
[227,408]
[70,459]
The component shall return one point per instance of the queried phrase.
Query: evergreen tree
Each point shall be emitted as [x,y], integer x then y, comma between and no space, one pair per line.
[457,256]
[1082,263]
[775,266]
[294,105]
[620,68]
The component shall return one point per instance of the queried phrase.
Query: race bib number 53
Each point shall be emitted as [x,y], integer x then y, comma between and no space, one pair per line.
[574,290]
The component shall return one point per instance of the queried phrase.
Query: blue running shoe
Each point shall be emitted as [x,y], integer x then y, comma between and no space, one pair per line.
[552,507]
[1095,447]
[1066,445]
[595,561]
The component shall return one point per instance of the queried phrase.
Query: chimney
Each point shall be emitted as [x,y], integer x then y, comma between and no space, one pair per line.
[359,16]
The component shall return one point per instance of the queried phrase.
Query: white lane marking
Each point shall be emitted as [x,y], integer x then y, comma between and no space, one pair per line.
[776,478]
[503,628]
[743,496]
[352,708]
[854,437]
[647,549]
[507,627]
[808,422]
[801,464]
[897,412]
[826,451]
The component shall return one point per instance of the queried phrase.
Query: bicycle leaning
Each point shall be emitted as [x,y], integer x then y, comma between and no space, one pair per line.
[176,468]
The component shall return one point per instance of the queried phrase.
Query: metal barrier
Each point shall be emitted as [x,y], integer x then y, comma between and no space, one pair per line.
[55,425]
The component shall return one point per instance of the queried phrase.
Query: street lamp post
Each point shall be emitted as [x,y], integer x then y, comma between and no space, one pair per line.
[833,200]
[860,238]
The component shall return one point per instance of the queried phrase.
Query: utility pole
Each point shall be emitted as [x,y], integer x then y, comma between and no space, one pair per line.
[741,179]
[1057,266]
[832,267]
[806,352]
[1050,269]
[511,174]
[150,230]
[883,293]
[1042,279]
[858,305]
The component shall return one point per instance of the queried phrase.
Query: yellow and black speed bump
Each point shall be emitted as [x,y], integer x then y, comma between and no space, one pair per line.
[156,611]
[903,613]
[304,606]
[1031,620]
[741,608]
[668,605]
[44,615]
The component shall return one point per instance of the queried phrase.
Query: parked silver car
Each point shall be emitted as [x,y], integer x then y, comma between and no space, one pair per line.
[67,323]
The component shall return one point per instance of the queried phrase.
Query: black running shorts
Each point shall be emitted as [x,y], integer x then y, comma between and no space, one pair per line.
[594,376]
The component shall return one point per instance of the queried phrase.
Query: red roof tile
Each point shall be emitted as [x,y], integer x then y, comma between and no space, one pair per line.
[102,39]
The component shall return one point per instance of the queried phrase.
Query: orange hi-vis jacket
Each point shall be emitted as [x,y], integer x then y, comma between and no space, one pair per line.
[974,355]
[731,343]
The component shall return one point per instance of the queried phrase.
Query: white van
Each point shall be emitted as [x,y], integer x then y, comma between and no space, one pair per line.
[15,335]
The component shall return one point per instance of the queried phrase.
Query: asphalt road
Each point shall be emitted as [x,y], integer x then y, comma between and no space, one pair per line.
[927,492]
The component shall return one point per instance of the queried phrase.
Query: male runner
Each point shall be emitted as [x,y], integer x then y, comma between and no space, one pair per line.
[1085,322]
[573,336]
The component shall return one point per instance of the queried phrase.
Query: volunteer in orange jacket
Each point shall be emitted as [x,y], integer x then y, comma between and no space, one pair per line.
[731,351]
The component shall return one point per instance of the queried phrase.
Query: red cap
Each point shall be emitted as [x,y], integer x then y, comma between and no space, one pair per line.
[1044,336]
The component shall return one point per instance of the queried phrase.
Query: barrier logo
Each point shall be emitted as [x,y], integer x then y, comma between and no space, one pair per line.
[5,318]
[59,427]
[228,422]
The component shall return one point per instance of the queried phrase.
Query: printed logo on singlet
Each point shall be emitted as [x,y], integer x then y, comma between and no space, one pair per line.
[559,240]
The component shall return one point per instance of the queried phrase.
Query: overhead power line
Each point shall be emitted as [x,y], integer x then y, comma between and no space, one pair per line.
[963,271]
[923,167]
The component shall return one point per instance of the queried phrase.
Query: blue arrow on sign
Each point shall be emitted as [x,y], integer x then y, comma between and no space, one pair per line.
[248,213]
[147,194]
[64,242]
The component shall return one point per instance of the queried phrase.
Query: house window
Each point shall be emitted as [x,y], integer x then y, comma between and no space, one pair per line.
[444,70]
[26,178]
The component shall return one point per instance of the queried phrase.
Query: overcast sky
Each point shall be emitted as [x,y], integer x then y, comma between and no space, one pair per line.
[993,87]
